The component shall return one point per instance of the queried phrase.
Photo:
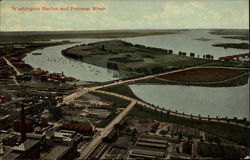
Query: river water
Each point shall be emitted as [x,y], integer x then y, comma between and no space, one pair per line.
[231,101]
[221,101]
[186,42]
[53,61]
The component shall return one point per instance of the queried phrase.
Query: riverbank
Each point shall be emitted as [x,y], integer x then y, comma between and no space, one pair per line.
[233,45]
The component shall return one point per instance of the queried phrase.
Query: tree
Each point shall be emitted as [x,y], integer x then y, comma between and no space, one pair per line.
[217,140]
[192,54]
[217,118]
[163,132]
[103,48]
[128,130]
[134,132]
[56,113]
[170,51]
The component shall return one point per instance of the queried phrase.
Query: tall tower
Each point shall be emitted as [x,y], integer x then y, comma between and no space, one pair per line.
[23,131]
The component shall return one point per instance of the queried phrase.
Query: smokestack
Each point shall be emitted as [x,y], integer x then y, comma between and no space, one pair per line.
[23,132]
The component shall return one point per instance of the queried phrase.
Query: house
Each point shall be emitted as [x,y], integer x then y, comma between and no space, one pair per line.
[27,150]
[83,129]
[2,99]
[18,126]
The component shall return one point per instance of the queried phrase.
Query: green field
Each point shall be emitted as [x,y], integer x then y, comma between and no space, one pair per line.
[131,58]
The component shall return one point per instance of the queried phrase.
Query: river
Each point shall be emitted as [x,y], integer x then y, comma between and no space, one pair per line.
[218,101]
[185,42]
[53,61]
[231,102]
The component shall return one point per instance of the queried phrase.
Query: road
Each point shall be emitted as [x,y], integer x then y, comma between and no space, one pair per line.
[171,112]
[10,64]
[84,90]
[90,147]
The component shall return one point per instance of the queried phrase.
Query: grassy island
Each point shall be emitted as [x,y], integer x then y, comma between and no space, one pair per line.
[139,60]
[233,45]
[131,58]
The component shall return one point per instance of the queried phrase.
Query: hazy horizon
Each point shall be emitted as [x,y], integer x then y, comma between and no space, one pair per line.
[128,30]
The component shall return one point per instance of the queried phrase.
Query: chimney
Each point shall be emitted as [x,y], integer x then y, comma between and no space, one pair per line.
[23,133]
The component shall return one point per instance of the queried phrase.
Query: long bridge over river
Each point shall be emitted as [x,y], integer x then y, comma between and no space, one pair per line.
[90,147]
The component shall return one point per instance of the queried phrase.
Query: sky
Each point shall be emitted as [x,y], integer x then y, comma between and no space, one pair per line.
[123,14]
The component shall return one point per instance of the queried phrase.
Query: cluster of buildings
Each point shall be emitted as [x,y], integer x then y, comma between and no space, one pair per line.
[44,76]
[4,72]
[60,144]
[30,141]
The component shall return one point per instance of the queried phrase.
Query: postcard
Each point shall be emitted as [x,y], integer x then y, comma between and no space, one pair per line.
[124,79]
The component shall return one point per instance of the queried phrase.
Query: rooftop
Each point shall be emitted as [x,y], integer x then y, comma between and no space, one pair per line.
[29,143]
[144,152]
[10,156]
[55,153]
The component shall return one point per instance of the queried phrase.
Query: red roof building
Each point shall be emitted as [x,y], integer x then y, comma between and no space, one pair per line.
[2,99]
[4,73]
[27,100]
[83,129]
[39,72]
[18,126]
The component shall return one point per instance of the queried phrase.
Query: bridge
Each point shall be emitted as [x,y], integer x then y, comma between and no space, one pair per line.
[234,56]
[90,147]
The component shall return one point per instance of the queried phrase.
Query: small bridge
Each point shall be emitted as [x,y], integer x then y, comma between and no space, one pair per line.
[234,56]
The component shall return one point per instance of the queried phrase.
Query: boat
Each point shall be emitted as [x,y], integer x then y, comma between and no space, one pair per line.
[36,53]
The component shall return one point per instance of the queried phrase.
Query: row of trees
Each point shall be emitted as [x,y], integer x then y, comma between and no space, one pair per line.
[205,56]
[208,56]
[169,51]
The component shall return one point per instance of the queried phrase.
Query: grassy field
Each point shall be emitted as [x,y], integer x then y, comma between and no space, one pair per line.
[117,102]
[207,77]
[234,133]
[121,89]
[228,64]
[203,75]
[133,58]
[105,122]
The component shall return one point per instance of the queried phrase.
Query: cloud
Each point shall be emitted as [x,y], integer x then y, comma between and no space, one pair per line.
[124,15]
[195,14]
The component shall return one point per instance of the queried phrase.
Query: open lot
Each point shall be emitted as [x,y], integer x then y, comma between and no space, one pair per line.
[204,75]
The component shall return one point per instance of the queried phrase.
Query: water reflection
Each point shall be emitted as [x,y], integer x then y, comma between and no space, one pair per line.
[218,101]
[53,61]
